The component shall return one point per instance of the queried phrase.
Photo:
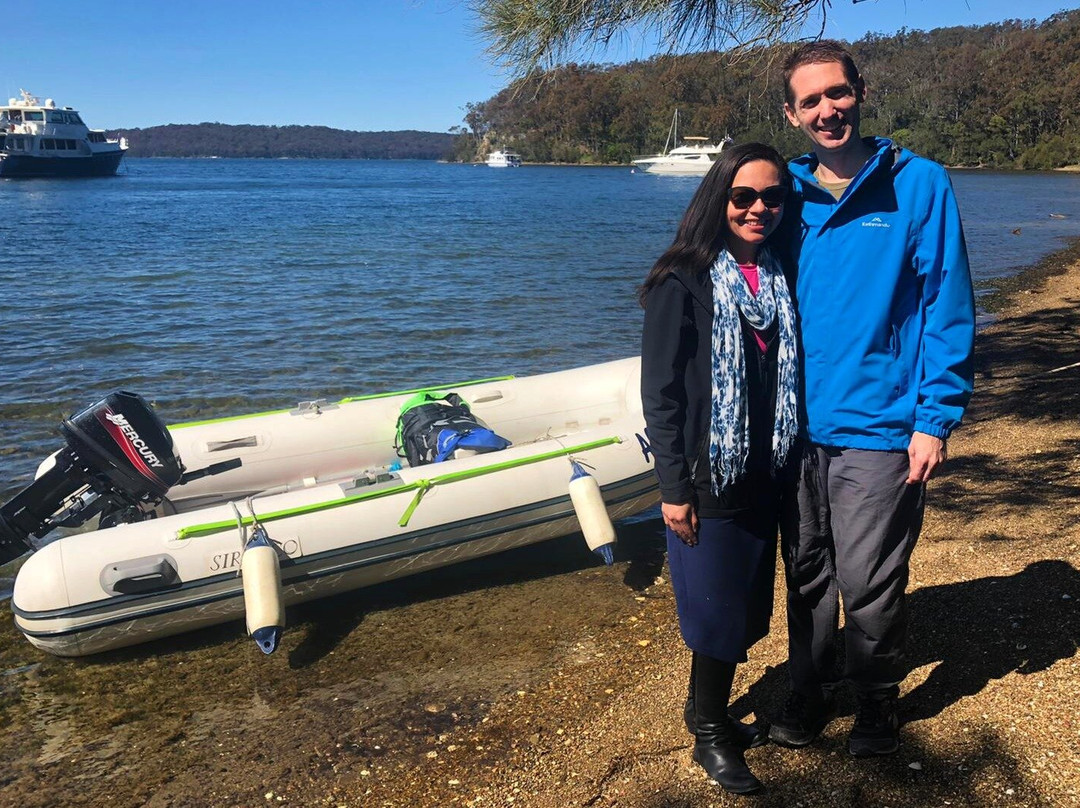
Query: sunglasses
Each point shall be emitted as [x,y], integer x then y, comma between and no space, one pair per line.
[743,198]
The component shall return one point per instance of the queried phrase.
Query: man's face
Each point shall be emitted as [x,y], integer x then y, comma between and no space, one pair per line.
[826,106]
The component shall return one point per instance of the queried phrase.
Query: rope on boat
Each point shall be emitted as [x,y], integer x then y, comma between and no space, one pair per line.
[420,486]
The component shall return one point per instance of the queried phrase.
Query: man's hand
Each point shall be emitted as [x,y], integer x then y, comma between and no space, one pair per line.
[683,521]
[925,455]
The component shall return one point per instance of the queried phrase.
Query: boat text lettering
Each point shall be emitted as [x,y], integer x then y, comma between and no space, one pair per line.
[230,561]
[134,439]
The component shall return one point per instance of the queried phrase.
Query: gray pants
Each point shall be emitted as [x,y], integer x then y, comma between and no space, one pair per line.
[849,529]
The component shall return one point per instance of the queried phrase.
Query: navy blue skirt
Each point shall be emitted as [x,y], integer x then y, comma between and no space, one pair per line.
[724,584]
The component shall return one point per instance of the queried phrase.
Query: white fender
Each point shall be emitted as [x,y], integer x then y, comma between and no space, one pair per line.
[592,513]
[263,601]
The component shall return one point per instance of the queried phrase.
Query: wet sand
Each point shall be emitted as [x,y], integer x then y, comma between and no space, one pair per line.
[539,678]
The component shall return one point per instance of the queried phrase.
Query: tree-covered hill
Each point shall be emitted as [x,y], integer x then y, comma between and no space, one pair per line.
[223,140]
[1006,95]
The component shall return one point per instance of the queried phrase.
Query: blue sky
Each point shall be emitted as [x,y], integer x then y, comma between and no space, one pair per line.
[365,64]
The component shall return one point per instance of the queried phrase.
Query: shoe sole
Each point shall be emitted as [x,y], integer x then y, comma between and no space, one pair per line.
[870,753]
[793,743]
[751,790]
[754,790]
[798,741]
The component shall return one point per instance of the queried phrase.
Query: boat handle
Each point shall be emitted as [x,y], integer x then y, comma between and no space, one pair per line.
[233,443]
[138,575]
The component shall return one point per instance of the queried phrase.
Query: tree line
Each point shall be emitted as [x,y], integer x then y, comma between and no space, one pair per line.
[998,95]
[224,140]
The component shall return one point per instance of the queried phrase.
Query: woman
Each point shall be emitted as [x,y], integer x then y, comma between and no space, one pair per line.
[718,386]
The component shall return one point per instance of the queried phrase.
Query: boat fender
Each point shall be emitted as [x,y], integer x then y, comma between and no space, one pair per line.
[264,604]
[592,513]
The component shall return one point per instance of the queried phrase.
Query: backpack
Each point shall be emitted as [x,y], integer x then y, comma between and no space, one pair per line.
[432,426]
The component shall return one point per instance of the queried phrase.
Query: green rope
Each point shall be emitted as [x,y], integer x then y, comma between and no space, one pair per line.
[424,485]
[420,486]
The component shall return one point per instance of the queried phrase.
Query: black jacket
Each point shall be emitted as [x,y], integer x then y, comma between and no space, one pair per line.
[676,392]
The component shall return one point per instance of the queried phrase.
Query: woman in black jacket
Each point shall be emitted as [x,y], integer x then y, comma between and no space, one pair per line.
[718,384]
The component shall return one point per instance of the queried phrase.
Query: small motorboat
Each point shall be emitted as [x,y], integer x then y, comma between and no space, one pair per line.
[504,159]
[694,158]
[323,482]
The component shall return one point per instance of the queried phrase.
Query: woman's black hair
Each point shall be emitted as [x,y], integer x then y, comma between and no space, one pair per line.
[704,228]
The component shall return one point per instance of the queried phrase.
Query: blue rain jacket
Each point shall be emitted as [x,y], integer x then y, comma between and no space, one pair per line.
[886,308]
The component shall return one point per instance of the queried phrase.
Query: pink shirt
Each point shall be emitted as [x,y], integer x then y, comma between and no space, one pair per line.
[750,272]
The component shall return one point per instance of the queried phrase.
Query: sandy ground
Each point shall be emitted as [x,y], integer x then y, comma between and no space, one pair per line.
[540,679]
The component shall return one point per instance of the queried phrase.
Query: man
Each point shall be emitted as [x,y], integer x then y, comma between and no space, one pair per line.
[887,324]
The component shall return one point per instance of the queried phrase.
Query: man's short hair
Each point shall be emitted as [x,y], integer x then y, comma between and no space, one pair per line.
[821,51]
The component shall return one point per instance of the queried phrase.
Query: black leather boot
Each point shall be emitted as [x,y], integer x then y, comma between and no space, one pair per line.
[716,740]
[747,736]
[688,708]
[716,751]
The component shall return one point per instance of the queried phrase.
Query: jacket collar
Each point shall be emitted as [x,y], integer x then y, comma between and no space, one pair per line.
[885,155]
[699,285]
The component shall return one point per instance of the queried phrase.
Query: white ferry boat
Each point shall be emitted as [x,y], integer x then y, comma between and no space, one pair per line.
[43,140]
[504,159]
[694,158]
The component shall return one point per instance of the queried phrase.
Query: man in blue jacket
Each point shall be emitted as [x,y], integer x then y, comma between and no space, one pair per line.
[887,324]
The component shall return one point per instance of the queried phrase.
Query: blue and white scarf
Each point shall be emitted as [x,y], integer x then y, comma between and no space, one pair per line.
[729,429]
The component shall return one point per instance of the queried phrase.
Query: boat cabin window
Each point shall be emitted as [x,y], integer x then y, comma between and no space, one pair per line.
[96,137]
[15,115]
[54,116]
[15,143]
[73,117]
[33,115]
[57,144]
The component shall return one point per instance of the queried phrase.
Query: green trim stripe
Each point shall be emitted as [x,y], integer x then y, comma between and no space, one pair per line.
[436,388]
[420,486]
[348,400]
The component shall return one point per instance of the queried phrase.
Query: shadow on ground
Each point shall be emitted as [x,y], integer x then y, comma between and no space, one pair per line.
[971,632]
[824,774]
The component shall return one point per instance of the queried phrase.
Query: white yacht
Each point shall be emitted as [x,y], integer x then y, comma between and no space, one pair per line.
[504,159]
[43,140]
[694,158]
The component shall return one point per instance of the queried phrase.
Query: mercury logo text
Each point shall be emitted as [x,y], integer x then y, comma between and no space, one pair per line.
[135,440]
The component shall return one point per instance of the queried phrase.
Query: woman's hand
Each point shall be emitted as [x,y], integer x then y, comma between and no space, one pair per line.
[683,521]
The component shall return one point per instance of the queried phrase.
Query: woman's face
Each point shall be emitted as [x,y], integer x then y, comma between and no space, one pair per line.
[755,206]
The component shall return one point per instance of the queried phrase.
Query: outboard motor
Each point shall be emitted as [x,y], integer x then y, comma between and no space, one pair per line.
[119,458]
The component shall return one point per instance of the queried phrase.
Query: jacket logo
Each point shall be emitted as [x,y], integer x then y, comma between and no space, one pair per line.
[876,222]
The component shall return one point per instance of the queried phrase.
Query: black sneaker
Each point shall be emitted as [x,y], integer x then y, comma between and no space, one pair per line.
[802,720]
[877,728]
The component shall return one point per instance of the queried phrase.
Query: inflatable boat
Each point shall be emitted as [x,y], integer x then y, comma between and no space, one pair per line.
[322,481]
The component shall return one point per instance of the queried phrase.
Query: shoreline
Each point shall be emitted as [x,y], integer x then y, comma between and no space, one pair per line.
[536,675]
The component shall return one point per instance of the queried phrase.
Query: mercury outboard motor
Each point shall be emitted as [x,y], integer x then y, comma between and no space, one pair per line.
[119,458]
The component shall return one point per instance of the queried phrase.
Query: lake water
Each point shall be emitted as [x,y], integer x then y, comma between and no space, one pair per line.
[216,287]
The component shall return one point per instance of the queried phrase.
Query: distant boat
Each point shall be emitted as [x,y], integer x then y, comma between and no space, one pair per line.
[504,159]
[42,140]
[694,158]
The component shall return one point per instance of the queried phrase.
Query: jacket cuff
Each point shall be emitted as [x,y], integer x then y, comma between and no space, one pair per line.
[932,429]
[676,495]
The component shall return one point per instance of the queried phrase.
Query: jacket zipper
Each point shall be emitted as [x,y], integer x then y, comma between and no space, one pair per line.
[697,457]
